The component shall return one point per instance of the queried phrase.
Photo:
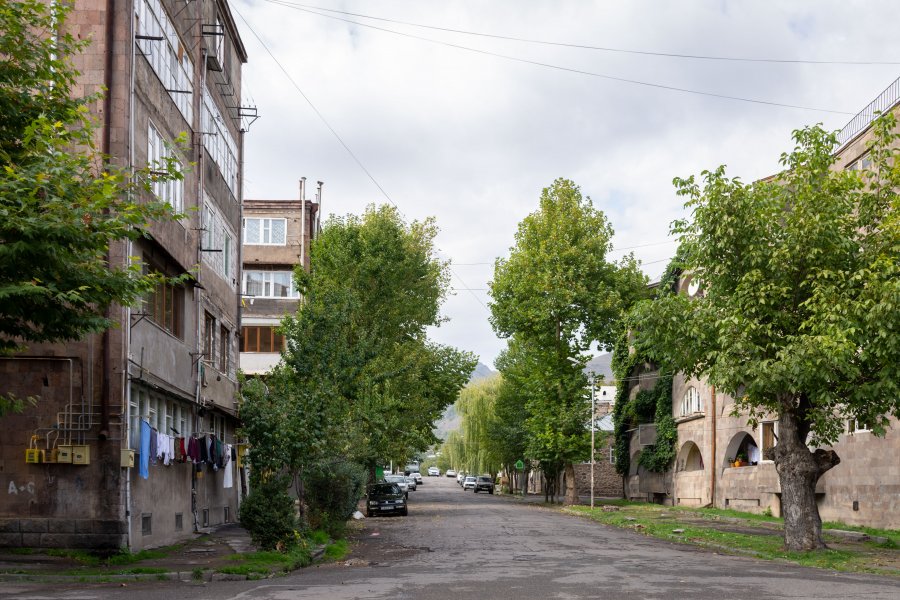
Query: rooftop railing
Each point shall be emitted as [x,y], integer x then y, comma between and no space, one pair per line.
[885,101]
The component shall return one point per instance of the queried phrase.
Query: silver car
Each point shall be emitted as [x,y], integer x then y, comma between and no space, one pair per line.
[399,480]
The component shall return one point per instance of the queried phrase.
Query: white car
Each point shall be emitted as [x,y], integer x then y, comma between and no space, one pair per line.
[460,478]
[411,482]
[450,473]
[434,472]
[416,476]
[469,483]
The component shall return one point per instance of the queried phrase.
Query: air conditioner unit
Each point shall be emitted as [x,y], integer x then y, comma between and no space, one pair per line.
[647,434]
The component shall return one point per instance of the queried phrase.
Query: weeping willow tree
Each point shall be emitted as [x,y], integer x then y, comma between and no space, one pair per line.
[472,448]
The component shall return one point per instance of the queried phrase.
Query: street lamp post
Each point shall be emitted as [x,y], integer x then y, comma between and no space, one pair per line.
[593,416]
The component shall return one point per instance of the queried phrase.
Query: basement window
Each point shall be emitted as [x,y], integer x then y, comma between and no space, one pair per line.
[146,523]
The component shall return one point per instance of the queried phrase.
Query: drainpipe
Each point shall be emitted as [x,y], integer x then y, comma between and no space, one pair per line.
[713,464]
[303,223]
[105,148]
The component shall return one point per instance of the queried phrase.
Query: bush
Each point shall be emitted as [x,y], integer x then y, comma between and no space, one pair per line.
[332,493]
[269,515]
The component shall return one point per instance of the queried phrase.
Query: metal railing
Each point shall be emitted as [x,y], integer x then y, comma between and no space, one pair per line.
[885,101]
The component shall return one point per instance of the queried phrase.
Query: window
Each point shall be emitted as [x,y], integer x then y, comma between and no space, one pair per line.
[270,284]
[261,338]
[171,191]
[169,57]
[146,523]
[209,336]
[857,426]
[265,232]
[224,347]
[218,141]
[690,402]
[768,434]
[219,249]
[165,304]
[179,521]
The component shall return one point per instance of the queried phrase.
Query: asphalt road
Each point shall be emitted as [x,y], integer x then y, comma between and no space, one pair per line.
[458,545]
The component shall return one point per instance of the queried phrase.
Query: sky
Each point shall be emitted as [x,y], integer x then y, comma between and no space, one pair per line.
[469,129]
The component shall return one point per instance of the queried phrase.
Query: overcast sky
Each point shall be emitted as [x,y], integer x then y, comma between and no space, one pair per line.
[472,138]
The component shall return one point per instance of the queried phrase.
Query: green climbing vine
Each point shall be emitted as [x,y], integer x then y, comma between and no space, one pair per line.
[648,406]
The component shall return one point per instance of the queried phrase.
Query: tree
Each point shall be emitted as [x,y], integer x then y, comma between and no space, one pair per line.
[476,407]
[558,295]
[61,201]
[799,306]
[359,379]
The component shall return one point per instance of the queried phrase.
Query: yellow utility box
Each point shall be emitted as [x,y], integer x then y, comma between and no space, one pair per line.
[64,454]
[34,456]
[81,455]
[127,458]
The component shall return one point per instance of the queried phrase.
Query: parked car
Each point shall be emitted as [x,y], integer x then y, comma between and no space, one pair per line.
[460,478]
[450,473]
[400,480]
[434,472]
[385,498]
[417,476]
[411,482]
[469,482]
[484,484]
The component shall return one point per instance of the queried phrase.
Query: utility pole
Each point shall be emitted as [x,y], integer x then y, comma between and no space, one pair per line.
[593,423]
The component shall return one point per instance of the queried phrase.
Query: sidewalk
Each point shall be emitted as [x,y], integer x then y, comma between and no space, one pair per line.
[198,559]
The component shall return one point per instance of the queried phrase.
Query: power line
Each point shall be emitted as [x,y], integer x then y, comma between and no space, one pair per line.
[337,136]
[586,46]
[569,69]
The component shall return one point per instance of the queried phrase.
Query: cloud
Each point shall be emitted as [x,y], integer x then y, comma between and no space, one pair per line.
[472,139]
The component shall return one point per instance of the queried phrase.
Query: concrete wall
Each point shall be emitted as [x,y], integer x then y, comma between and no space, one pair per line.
[607,483]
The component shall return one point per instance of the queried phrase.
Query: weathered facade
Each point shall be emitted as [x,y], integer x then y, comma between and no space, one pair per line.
[720,458]
[170,68]
[277,237]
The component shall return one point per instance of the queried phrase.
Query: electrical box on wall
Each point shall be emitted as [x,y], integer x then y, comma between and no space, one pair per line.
[127,458]
[64,454]
[81,455]
[34,456]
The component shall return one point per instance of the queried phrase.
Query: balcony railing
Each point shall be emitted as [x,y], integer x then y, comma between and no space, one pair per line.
[885,101]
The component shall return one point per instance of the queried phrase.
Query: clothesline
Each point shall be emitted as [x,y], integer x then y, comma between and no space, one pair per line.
[201,449]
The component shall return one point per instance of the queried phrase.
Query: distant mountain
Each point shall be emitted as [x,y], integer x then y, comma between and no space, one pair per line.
[450,421]
[481,371]
[601,365]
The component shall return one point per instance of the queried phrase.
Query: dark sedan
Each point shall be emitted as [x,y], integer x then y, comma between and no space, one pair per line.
[385,498]
[483,484]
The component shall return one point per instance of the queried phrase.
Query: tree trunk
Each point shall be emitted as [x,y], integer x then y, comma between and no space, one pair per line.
[572,497]
[799,471]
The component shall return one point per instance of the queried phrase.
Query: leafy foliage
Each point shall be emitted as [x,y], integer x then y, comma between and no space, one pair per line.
[800,303]
[554,297]
[268,513]
[62,203]
[333,489]
[359,381]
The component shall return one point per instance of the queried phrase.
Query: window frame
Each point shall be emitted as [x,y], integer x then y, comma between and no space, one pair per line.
[264,226]
[268,282]
[251,336]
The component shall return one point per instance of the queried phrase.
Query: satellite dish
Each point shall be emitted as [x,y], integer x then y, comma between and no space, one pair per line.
[693,287]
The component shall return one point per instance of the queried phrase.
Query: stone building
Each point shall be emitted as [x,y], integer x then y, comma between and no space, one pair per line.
[864,489]
[277,237]
[170,67]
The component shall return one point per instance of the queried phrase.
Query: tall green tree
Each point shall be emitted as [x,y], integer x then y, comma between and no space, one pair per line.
[476,407]
[559,295]
[61,201]
[358,361]
[799,307]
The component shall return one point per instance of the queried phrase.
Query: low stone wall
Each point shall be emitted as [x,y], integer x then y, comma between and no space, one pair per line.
[62,533]
[607,483]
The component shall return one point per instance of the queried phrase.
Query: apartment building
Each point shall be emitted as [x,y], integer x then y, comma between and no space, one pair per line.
[132,441]
[720,460]
[276,240]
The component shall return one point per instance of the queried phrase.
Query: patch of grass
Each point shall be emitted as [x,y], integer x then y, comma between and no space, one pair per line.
[20,551]
[762,542]
[80,556]
[269,562]
[337,551]
[143,571]
[319,537]
[197,574]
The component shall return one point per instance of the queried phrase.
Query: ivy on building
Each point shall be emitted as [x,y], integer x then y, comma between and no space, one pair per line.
[648,406]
